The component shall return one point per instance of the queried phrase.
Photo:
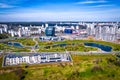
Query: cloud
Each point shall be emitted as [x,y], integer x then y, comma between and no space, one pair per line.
[39,15]
[104,5]
[3,5]
[91,2]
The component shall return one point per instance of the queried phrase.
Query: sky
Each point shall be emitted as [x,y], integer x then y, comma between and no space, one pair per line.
[59,10]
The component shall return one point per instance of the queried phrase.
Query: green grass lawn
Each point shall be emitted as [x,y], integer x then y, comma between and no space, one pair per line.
[85,67]
[25,41]
[68,48]
[9,76]
[80,44]
[6,48]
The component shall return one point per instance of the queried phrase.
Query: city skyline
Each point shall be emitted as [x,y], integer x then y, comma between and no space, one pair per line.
[54,10]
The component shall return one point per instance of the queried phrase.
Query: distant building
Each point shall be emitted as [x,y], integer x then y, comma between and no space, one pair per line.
[46,25]
[1,30]
[51,38]
[107,31]
[50,31]
[68,31]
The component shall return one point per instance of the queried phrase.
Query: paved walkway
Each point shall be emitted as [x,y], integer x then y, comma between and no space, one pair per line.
[72,52]
[34,47]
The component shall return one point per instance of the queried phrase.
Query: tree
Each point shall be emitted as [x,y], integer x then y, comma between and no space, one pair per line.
[4,36]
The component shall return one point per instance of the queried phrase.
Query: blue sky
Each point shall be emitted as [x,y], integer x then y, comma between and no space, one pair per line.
[59,10]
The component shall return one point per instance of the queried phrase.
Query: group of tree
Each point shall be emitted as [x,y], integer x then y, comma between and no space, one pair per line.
[4,36]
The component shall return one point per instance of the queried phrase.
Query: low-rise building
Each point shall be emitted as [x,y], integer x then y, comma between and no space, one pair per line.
[12,59]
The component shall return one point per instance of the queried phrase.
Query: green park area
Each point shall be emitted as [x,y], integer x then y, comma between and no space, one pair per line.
[25,41]
[78,46]
[6,48]
[83,67]
[48,46]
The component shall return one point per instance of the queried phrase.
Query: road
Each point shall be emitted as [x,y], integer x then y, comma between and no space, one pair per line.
[83,53]
[69,52]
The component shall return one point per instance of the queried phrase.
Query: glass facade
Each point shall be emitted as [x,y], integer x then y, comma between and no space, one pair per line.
[50,31]
[68,31]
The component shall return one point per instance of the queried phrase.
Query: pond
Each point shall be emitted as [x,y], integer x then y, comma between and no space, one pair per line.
[15,44]
[59,45]
[118,56]
[102,47]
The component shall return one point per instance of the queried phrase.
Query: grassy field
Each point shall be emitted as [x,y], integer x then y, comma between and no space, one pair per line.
[25,41]
[79,46]
[48,46]
[6,48]
[84,67]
